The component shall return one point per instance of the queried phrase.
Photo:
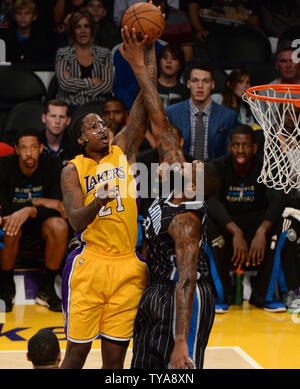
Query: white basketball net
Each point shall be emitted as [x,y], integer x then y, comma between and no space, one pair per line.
[280,124]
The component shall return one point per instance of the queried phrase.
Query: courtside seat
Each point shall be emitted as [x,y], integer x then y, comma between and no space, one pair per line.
[19,86]
[21,116]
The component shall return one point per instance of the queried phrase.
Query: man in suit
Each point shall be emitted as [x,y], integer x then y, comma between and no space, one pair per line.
[205,137]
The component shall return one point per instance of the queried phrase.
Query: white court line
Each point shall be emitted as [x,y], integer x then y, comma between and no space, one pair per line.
[247,357]
[241,352]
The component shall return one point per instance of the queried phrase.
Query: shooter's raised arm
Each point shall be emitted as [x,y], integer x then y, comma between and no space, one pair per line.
[168,146]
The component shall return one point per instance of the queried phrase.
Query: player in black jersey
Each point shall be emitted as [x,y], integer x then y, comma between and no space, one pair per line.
[176,311]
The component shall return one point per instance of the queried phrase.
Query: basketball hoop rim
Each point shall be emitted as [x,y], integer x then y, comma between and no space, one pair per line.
[283,88]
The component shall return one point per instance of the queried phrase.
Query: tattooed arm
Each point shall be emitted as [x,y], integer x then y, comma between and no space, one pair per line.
[168,146]
[130,138]
[185,230]
[79,215]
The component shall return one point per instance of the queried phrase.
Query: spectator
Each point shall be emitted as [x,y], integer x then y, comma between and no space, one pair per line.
[56,137]
[244,224]
[25,44]
[62,11]
[6,14]
[200,32]
[178,29]
[236,84]
[112,129]
[171,64]
[114,109]
[32,210]
[120,7]
[125,84]
[218,120]
[44,350]
[275,16]
[84,71]
[107,34]
[289,71]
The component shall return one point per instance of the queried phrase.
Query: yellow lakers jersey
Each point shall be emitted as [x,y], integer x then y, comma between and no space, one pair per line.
[114,230]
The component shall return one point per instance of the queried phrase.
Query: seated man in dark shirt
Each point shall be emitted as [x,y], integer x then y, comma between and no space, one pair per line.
[31,208]
[245,224]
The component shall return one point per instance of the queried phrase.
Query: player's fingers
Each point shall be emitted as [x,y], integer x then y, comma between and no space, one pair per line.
[133,35]
[128,34]
[233,255]
[124,34]
[260,256]
[144,41]
[190,363]
[237,258]
[10,229]
[248,259]
[112,194]
[254,256]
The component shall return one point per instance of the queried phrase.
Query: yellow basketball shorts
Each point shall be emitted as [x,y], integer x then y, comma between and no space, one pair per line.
[100,295]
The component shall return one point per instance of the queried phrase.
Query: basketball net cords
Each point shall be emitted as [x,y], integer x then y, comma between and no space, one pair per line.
[281,164]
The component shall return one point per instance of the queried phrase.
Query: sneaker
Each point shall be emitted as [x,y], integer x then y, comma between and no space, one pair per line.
[8,300]
[47,297]
[274,306]
[294,306]
[292,301]
[221,308]
[7,293]
[255,300]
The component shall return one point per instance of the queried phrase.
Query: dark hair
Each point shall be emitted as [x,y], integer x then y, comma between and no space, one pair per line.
[283,46]
[56,103]
[77,126]
[43,348]
[74,20]
[115,99]
[243,129]
[105,3]
[28,132]
[228,95]
[176,52]
[200,66]
[72,8]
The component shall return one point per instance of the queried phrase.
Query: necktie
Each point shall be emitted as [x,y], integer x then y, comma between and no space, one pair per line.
[199,149]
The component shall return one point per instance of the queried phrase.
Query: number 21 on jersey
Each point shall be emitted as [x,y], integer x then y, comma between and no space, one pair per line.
[108,211]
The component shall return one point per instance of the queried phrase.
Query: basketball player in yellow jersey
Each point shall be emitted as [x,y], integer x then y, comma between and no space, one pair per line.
[103,280]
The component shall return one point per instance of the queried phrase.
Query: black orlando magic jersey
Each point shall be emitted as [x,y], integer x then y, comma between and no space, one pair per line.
[161,254]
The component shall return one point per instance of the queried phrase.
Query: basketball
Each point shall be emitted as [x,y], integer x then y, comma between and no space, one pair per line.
[146,19]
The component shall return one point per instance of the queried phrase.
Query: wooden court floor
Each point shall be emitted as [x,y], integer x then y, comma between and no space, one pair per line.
[244,338]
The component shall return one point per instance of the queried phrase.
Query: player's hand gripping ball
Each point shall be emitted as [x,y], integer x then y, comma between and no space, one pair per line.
[146,19]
